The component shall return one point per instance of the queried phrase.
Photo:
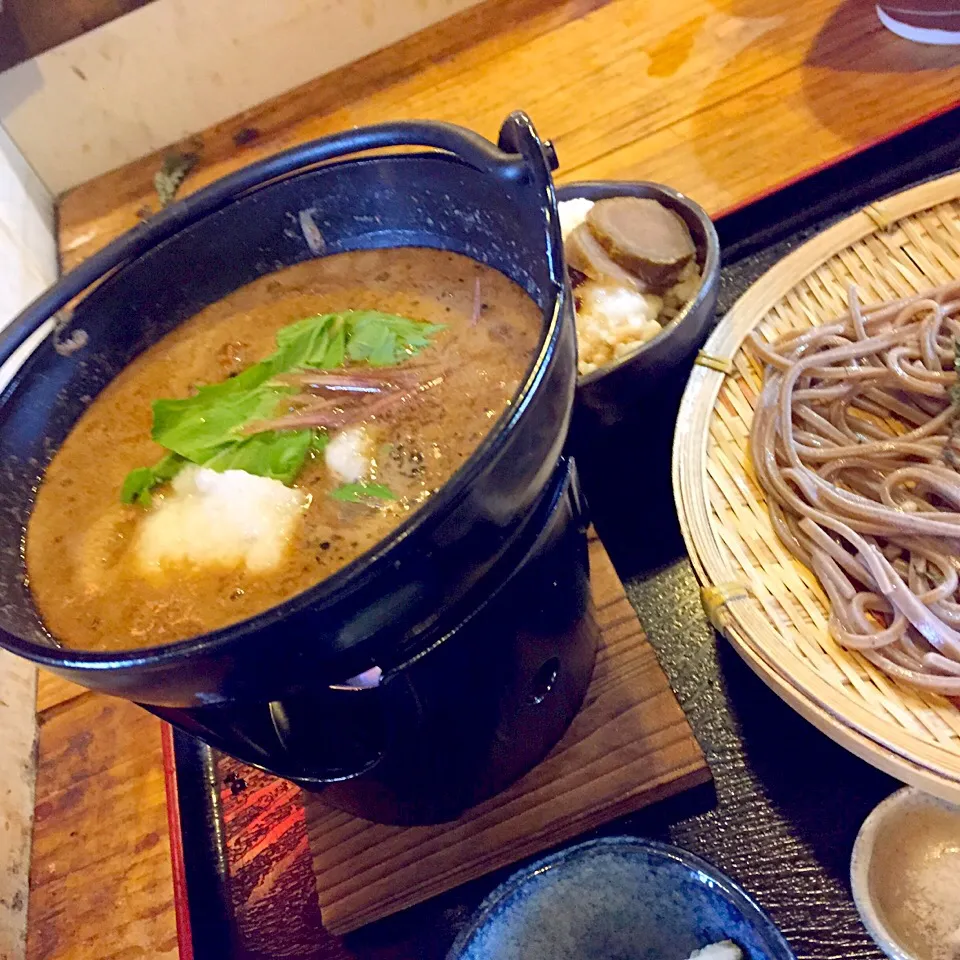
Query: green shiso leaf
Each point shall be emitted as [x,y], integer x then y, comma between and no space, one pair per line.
[208,429]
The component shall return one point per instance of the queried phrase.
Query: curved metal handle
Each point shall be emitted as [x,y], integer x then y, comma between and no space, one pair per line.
[519,136]
[529,160]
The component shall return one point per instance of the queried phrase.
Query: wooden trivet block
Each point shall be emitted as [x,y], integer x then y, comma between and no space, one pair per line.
[629,746]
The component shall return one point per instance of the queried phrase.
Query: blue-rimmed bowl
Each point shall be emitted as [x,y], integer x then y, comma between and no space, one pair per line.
[620,898]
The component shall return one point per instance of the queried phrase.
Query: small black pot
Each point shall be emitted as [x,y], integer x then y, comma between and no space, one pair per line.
[635,386]
[404,599]
[625,412]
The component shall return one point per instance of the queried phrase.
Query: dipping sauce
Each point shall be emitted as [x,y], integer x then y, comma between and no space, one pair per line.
[915,878]
[215,544]
[905,876]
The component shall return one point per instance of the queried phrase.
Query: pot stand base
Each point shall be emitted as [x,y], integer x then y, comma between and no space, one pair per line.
[629,746]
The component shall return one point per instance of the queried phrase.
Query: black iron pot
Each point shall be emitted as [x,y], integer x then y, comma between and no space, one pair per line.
[395,604]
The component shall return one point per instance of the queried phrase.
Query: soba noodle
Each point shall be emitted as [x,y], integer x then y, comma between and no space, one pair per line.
[856,443]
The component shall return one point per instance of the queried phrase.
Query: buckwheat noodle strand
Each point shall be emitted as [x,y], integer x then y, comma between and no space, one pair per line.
[856,444]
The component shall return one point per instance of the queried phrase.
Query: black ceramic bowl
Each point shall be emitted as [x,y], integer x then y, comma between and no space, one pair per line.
[660,367]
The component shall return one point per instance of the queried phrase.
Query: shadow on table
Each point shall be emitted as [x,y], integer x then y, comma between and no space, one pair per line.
[823,790]
[788,800]
[855,54]
[879,50]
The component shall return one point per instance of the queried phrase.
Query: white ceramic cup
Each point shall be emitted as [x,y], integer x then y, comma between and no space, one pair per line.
[905,876]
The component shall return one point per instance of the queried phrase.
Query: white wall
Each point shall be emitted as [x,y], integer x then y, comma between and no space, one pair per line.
[28,264]
[28,259]
[175,67]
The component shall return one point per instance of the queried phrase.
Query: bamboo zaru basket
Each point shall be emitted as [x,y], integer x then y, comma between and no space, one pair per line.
[767,604]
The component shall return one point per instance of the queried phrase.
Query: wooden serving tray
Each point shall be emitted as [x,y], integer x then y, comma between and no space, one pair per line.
[629,746]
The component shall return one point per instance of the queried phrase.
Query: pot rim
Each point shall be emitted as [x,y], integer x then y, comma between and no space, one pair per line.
[328,590]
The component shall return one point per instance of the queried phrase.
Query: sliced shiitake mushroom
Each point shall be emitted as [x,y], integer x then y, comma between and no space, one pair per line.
[586,256]
[643,237]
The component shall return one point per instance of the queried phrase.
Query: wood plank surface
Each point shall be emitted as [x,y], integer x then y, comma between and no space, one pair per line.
[52,691]
[101,884]
[724,99]
[629,746]
[721,98]
[18,685]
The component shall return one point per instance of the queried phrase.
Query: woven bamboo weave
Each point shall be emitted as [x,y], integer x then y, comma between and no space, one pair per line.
[767,604]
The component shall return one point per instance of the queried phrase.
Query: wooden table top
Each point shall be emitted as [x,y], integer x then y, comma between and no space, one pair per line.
[723,99]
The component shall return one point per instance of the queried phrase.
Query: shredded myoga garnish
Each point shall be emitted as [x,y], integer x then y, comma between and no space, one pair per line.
[856,443]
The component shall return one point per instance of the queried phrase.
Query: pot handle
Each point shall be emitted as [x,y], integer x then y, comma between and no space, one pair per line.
[519,136]
[520,157]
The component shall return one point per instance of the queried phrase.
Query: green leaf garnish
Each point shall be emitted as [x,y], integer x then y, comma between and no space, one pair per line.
[138,485]
[382,339]
[207,429]
[312,342]
[274,454]
[198,427]
[362,492]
